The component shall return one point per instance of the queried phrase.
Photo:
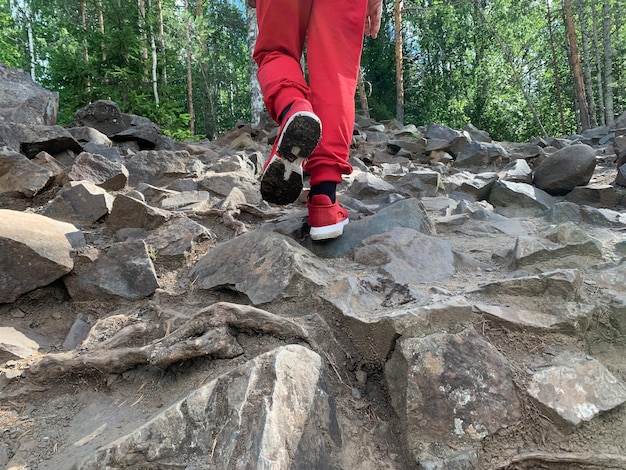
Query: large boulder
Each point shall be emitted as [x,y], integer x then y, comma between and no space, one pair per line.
[23,101]
[565,169]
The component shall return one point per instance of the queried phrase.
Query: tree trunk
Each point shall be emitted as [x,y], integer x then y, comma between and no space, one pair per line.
[608,62]
[256,96]
[557,80]
[210,118]
[598,63]
[576,69]
[141,6]
[365,109]
[591,102]
[83,19]
[399,61]
[192,115]
[162,41]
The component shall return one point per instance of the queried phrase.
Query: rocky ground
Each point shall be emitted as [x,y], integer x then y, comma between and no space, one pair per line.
[156,314]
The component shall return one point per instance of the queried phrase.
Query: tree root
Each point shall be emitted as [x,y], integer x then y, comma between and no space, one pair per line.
[207,333]
[229,215]
[599,460]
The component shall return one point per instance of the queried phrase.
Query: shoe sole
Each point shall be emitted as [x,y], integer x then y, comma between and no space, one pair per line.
[328,232]
[281,182]
[300,136]
[277,189]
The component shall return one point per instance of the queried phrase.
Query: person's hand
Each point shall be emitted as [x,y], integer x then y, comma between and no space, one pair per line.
[372,17]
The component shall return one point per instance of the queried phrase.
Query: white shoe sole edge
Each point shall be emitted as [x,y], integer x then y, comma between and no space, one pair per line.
[329,231]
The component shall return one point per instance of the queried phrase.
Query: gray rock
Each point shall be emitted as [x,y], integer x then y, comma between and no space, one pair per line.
[530,249]
[565,169]
[22,342]
[32,139]
[19,177]
[110,153]
[520,195]
[176,236]
[368,186]
[34,251]
[81,201]
[602,217]
[124,270]
[128,212]
[407,256]
[77,334]
[420,183]
[572,318]
[22,101]
[159,167]
[575,388]
[263,266]
[470,185]
[267,413]
[480,155]
[562,283]
[460,382]
[223,183]
[409,213]
[596,195]
[103,115]
[518,172]
[107,174]
[85,135]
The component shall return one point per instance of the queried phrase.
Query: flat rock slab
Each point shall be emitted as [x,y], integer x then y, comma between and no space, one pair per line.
[409,213]
[34,251]
[264,266]
[575,388]
[263,414]
[407,256]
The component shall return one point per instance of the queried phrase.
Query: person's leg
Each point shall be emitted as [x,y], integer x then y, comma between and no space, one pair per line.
[278,50]
[334,45]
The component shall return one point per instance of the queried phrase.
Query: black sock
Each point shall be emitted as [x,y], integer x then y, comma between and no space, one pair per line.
[325,187]
[282,115]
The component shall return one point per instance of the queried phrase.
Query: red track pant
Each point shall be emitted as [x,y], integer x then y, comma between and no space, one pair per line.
[333,31]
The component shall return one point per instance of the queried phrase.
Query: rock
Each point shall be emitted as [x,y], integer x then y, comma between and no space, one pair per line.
[99,170]
[102,115]
[159,167]
[32,139]
[128,212]
[22,101]
[21,343]
[480,155]
[125,271]
[565,169]
[81,201]
[575,388]
[460,382]
[19,177]
[267,413]
[408,213]
[263,266]
[34,251]
[407,256]
[368,186]
[596,195]
[89,135]
[563,283]
[520,195]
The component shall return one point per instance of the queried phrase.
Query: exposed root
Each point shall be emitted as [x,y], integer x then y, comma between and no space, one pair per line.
[210,332]
[598,460]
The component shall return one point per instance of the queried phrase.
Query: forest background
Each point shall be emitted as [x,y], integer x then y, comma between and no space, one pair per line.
[518,69]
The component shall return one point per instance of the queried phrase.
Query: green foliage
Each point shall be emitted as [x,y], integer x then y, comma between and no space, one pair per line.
[465,61]
[10,49]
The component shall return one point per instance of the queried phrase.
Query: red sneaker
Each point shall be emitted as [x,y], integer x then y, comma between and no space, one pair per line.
[325,218]
[281,182]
